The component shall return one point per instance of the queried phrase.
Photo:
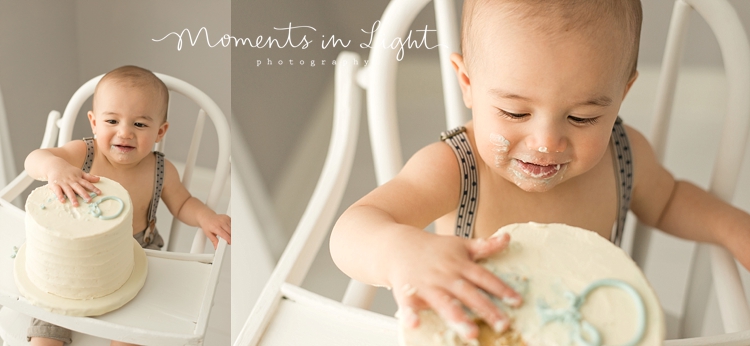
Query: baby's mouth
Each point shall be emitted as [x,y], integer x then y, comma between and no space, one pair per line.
[539,171]
[122,147]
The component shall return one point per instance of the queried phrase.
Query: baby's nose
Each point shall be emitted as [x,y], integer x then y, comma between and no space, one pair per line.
[551,147]
[125,132]
[547,140]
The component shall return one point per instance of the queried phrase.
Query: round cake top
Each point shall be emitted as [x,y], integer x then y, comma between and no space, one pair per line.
[575,284]
[106,211]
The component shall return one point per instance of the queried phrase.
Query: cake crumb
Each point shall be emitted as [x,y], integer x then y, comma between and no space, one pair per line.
[487,337]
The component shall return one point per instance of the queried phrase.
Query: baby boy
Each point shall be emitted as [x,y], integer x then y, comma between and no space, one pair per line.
[128,116]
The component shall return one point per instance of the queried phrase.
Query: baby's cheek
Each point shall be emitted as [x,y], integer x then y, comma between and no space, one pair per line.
[499,147]
[589,154]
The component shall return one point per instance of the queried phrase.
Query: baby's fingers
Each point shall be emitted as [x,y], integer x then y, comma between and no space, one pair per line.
[451,311]
[483,248]
[222,232]
[71,194]
[212,238]
[492,285]
[88,179]
[81,191]
[480,303]
[408,304]
[58,191]
[224,228]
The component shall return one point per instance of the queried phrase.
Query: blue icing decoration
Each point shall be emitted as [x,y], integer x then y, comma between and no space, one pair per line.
[518,283]
[94,208]
[42,206]
[582,332]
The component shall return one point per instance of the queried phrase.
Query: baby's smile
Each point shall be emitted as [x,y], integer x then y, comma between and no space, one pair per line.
[532,174]
[538,171]
[123,148]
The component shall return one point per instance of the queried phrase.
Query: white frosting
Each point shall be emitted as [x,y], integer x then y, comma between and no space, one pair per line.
[72,253]
[500,147]
[542,262]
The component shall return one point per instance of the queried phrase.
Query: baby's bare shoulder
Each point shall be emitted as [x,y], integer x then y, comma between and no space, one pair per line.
[74,152]
[644,158]
[171,174]
[425,189]
[652,183]
[435,154]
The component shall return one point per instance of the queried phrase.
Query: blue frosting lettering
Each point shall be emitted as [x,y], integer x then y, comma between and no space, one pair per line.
[94,208]
[582,332]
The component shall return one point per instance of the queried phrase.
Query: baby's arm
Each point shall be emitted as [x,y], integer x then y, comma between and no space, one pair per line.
[60,167]
[683,209]
[191,210]
[380,241]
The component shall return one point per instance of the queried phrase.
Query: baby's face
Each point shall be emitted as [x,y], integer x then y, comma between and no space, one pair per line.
[127,121]
[543,106]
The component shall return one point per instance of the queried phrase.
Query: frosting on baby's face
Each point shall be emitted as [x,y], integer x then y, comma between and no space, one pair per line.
[543,107]
[527,171]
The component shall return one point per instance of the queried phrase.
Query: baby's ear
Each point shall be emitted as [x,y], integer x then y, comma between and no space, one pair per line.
[92,121]
[630,84]
[463,78]
[162,131]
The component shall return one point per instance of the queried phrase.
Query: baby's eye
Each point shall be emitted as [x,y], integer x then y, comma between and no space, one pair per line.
[111,121]
[583,121]
[512,115]
[140,125]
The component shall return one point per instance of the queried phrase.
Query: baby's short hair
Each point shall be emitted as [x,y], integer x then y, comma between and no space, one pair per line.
[565,15]
[137,77]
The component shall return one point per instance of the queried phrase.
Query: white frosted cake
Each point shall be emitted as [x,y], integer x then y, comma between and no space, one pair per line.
[575,284]
[82,252]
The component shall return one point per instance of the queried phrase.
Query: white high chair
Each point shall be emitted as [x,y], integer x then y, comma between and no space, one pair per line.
[708,259]
[288,314]
[174,304]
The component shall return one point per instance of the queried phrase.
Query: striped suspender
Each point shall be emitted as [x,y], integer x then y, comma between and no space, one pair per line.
[469,189]
[158,185]
[89,154]
[623,175]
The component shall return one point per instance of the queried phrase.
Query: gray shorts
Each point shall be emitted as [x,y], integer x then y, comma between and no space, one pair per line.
[41,329]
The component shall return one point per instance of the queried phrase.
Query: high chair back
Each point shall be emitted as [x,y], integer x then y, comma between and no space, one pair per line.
[174,305]
[735,49]
[286,314]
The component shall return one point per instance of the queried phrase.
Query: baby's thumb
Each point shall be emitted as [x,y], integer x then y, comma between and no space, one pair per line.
[483,248]
[90,177]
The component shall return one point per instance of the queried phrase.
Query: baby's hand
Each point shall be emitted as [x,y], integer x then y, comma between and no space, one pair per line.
[68,181]
[442,275]
[217,225]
